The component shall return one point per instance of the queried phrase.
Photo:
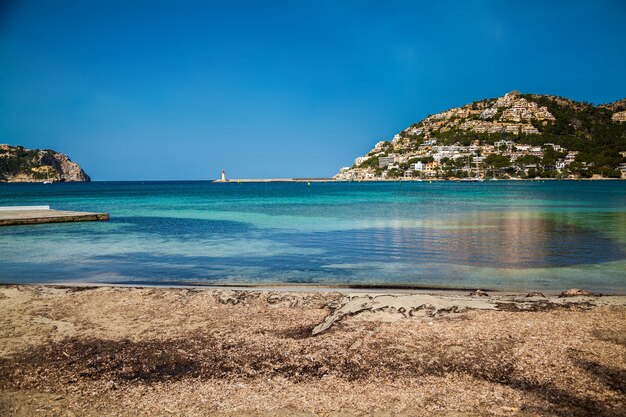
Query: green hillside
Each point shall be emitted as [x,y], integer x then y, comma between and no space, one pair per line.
[513,136]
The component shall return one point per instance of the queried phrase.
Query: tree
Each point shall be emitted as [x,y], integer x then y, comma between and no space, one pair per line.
[497,162]
[524,160]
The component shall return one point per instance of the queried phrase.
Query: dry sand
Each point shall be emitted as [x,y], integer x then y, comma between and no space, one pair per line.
[158,351]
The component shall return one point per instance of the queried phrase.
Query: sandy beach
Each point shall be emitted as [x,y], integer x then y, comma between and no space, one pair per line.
[171,351]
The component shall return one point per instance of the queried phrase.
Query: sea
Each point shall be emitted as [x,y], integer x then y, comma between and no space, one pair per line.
[494,235]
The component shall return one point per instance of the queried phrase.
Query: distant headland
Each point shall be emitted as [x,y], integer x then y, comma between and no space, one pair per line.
[18,164]
[516,136]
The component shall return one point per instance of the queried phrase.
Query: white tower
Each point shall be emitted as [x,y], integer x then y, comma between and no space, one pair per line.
[223,175]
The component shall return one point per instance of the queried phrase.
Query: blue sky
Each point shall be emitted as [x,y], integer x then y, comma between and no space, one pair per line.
[181,90]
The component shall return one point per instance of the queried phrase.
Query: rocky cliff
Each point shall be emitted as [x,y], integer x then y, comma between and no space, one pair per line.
[18,164]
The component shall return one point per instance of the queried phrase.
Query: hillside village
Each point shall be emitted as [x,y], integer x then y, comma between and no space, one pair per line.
[495,138]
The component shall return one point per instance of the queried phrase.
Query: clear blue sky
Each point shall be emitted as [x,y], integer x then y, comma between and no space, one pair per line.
[181,90]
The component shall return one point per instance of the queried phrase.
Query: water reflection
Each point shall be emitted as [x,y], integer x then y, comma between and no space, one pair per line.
[486,239]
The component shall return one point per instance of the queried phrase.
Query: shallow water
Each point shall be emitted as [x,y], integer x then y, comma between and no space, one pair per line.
[498,235]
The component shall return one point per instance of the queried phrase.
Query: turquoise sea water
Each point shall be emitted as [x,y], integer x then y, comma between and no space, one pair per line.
[496,235]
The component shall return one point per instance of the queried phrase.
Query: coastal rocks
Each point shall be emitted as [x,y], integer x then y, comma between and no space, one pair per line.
[575,292]
[401,306]
[230,297]
[280,299]
[277,299]
[67,170]
[392,307]
[535,294]
[300,299]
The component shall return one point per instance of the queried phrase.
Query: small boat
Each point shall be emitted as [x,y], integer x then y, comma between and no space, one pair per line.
[47,182]
[471,179]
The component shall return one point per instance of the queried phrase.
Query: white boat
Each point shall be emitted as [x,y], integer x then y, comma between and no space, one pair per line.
[47,182]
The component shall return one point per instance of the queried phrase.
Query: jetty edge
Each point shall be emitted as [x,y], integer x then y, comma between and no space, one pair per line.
[23,215]
[264,180]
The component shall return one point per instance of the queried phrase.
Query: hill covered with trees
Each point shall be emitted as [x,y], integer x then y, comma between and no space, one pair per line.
[513,136]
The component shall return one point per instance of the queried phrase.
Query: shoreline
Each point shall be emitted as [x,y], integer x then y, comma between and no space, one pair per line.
[314,180]
[305,288]
[113,350]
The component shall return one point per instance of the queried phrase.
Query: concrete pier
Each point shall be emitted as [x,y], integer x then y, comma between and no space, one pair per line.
[30,215]
[240,180]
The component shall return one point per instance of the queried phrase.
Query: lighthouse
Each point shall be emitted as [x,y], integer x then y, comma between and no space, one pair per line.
[223,175]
